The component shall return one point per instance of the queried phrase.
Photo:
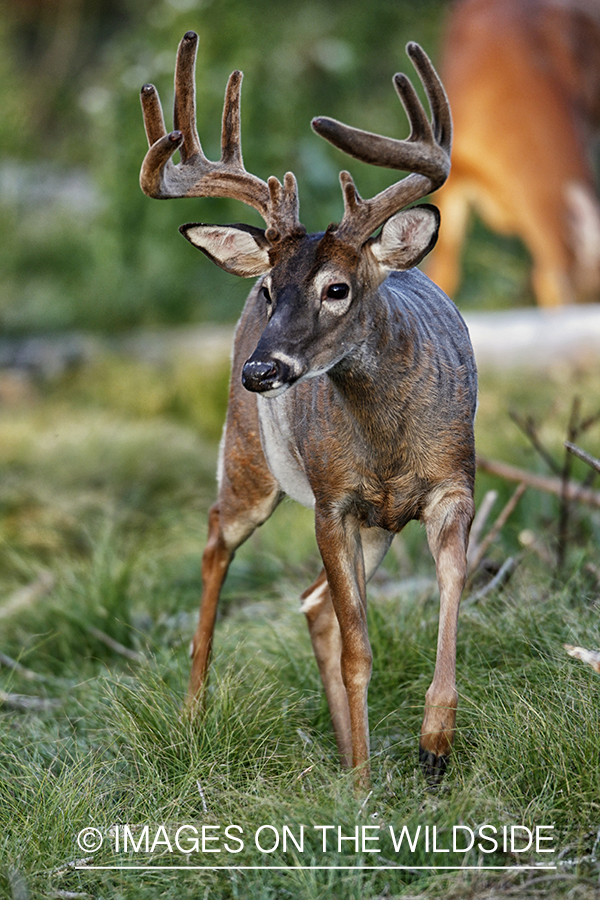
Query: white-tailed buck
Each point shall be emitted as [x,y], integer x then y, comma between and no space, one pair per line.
[523,80]
[353,387]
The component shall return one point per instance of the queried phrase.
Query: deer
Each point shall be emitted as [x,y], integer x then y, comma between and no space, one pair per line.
[523,80]
[353,386]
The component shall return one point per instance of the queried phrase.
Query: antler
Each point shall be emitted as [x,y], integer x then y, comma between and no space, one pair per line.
[197,176]
[425,153]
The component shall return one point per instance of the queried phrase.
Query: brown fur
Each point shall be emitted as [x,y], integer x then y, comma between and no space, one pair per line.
[361,387]
[523,80]
[384,437]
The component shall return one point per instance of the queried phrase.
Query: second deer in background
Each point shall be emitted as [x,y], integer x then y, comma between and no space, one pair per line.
[523,80]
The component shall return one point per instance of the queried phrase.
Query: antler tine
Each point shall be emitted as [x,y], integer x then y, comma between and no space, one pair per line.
[425,153]
[436,95]
[231,138]
[184,106]
[154,121]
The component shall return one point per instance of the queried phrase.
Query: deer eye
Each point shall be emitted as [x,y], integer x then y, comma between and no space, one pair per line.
[337,291]
[266,294]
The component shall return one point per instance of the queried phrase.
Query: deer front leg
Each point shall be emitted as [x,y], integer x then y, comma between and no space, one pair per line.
[341,550]
[215,563]
[448,524]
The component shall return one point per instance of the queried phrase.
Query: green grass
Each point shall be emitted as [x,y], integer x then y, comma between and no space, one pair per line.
[107,474]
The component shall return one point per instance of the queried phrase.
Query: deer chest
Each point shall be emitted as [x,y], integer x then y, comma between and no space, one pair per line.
[280,451]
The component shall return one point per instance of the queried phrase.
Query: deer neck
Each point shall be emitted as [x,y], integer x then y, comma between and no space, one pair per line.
[373,383]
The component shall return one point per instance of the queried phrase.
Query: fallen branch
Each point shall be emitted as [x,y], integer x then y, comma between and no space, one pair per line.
[70,865]
[529,429]
[551,485]
[68,895]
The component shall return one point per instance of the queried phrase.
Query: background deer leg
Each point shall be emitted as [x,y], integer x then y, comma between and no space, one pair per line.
[448,525]
[444,266]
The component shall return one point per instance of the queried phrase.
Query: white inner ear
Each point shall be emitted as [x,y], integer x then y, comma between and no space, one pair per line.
[234,250]
[406,238]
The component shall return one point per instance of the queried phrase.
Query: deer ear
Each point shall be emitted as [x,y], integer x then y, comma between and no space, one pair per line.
[407,237]
[239,249]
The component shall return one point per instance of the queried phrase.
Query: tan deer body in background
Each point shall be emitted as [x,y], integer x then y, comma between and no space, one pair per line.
[353,386]
[523,80]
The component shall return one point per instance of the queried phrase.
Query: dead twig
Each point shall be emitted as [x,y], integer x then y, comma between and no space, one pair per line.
[202,796]
[29,594]
[479,523]
[565,477]
[115,645]
[499,580]
[551,485]
[21,670]
[529,429]
[69,895]
[70,865]
[586,457]
[25,701]
[494,531]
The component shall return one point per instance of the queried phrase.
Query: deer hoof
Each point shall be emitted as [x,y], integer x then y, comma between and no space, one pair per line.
[433,766]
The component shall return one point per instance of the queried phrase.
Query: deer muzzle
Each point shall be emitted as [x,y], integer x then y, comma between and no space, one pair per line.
[270,375]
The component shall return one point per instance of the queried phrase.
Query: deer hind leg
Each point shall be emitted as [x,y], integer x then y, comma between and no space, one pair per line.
[248,494]
[326,639]
[327,645]
[448,523]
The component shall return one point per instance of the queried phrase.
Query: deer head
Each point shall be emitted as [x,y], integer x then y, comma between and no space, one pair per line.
[314,287]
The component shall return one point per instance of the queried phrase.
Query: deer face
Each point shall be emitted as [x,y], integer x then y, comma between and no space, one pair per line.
[314,289]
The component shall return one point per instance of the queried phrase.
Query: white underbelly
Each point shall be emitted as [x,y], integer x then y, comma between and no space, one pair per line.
[278,447]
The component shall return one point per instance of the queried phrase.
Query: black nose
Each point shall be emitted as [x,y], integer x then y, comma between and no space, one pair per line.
[259,375]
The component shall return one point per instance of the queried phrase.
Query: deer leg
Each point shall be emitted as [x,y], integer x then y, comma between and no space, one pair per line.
[248,494]
[340,546]
[448,526]
[326,639]
[224,537]
[444,264]
[327,645]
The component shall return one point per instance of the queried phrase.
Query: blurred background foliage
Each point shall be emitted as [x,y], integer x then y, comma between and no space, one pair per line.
[80,246]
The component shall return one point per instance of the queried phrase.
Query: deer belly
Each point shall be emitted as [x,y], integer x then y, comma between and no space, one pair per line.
[281,457]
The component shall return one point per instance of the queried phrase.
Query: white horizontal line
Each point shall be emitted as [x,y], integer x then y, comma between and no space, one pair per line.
[285,868]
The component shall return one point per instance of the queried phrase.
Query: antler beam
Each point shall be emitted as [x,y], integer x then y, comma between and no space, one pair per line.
[425,153]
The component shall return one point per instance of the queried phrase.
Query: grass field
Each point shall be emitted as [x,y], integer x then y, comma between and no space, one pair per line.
[107,473]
